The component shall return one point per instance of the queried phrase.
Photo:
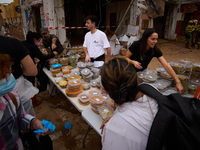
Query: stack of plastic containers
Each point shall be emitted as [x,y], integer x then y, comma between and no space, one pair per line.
[74,87]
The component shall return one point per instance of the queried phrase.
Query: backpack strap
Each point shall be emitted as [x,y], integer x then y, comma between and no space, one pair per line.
[150,91]
[12,97]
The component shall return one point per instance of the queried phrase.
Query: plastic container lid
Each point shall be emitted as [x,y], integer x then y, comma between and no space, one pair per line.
[55,70]
[94,92]
[162,84]
[72,77]
[75,82]
[96,99]
[166,75]
[58,79]
[108,100]
[150,77]
[160,69]
[73,94]
[63,83]
[85,72]
[84,98]
[53,61]
[89,64]
[93,83]
[105,111]
[81,65]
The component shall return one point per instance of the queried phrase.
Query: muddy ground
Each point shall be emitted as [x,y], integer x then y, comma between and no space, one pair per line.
[59,110]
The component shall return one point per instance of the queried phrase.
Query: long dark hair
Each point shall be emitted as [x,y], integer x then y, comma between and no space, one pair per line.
[143,42]
[31,36]
[119,79]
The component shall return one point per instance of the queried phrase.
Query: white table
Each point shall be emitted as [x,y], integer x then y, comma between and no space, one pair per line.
[87,114]
[73,100]
[92,119]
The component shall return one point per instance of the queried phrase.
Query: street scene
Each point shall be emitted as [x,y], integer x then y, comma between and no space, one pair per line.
[106,74]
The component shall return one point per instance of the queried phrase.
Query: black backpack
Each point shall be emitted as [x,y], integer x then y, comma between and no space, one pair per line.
[176,125]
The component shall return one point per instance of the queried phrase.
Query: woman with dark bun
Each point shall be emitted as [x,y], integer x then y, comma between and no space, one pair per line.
[141,52]
[129,127]
[31,43]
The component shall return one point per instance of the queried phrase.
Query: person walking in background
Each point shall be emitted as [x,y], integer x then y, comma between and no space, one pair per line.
[189,30]
[51,42]
[31,43]
[128,128]
[141,52]
[95,42]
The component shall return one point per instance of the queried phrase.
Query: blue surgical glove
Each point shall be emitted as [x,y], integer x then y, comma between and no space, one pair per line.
[46,125]
[68,125]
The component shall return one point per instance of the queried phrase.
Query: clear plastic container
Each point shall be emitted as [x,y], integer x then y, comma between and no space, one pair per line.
[63,83]
[73,94]
[54,71]
[66,70]
[53,61]
[196,67]
[55,135]
[81,65]
[93,83]
[150,77]
[84,98]
[166,75]
[105,111]
[63,61]
[89,64]
[58,79]
[72,77]
[192,89]
[73,61]
[162,84]
[86,86]
[86,72]
[96,99]
[94,92]
[109,101]
[195,82]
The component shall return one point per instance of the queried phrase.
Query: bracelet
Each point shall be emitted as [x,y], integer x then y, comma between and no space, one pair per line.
[133,62]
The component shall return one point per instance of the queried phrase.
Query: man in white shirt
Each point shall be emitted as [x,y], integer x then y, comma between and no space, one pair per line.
[95,42]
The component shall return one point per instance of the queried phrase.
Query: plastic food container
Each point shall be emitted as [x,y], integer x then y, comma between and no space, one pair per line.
[94,93]
[178,67]
[66,70]
[103,91]
[166,75]
[73,94]
[63,83]
[109,101]
[93,83]
[192,89]
[74,85]
[81,65]
[105,111]
[63,61]
[72,77]
[150,77]
[89,64]
[170,91]
[195,82]
[84,98]
[96,100]
[53,61]
[196,67]
[54,71]
[162,84]
[85,86]
[73,61]
[58,79]
[160,69]
[85,72]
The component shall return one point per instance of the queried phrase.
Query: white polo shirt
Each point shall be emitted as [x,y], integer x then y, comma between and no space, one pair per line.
[95,43]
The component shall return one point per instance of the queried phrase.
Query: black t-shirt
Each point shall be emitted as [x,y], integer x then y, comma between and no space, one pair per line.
[16,50]
[48,44]
[135,50]
[35,52]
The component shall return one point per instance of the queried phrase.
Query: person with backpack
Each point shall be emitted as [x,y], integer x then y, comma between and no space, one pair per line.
[129,127]
[12,115]
[141,52]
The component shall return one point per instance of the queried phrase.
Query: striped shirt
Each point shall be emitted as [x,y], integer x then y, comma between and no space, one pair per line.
[11,120]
